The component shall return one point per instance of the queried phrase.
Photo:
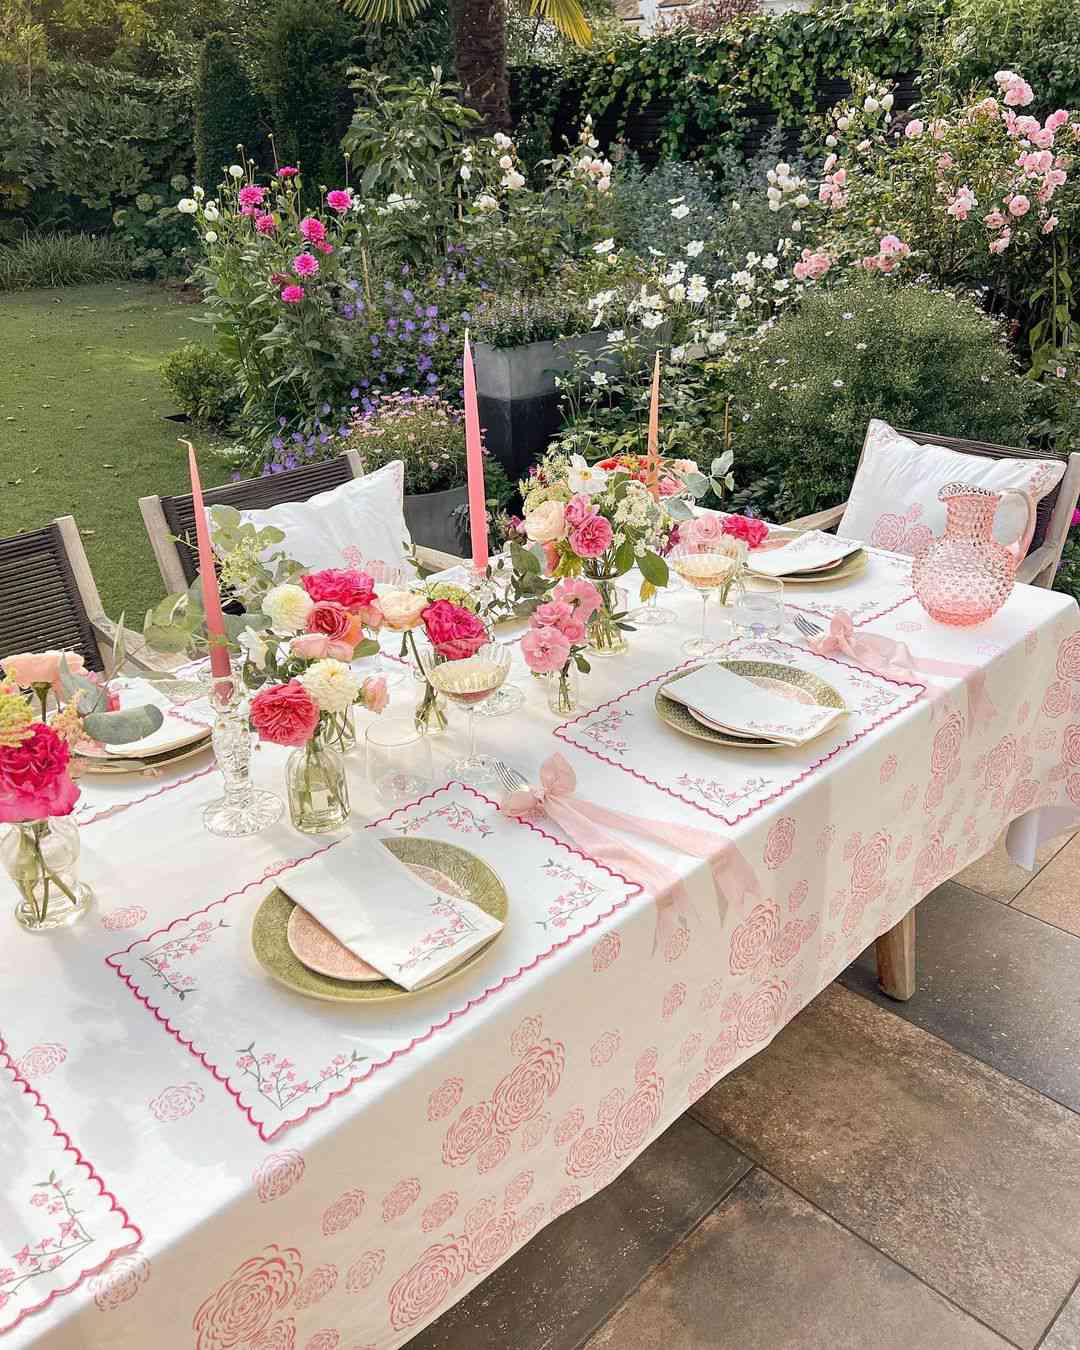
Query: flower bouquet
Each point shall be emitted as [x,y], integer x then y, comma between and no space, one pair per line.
[554,646]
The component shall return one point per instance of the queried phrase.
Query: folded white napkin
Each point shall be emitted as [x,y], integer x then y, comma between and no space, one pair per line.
[728,703]
[174,732]
[805,553]
[383,913]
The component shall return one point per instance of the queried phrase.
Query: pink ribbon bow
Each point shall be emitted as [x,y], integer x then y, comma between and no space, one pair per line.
[584,822]
[886,656]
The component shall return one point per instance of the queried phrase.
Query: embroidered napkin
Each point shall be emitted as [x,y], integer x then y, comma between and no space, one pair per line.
[410,932]
[175,731]
[729,703]
[806,553]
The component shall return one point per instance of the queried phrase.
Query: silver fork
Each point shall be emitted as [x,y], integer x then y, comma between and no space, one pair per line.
[805,626]
[510,778]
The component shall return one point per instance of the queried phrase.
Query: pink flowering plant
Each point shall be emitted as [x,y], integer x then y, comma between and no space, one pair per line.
[557,633]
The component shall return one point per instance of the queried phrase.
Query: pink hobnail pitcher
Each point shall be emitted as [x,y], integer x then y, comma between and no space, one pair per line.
[966,576]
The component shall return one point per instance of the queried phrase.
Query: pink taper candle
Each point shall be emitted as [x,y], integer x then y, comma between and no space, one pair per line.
[652,456]
[215,620]
[474,456]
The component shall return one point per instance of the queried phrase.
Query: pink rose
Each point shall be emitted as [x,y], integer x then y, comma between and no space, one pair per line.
[753,532]
[336,622]
[581,594]
[706,529]
[284,714]
[545,649]
[319,647]
[914,129]
[572,629]
[345,587]
[454,631]
[1019,205]
[577,508]
[375,693]
[552,615]
[994,220]
[34,778]
[592,537]
[547,523]
[339,199]
[31,668]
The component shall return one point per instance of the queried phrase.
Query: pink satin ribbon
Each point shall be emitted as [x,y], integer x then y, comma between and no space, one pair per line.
[585,823]
[893,659]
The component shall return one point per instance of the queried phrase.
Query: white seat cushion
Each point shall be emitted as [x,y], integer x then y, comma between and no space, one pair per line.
[362,520]
[894,499]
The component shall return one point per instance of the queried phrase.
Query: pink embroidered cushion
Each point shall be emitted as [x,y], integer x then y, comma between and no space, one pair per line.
[894,502]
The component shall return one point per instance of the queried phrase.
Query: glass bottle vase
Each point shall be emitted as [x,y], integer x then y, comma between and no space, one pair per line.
[42,858]
[561,688]
[606,638]
[317,788]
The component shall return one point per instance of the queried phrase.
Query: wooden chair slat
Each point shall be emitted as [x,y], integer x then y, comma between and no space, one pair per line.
[40,603]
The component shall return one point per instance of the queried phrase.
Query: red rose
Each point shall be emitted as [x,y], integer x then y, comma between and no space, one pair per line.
[638,1116]
[247,1301]
[281,1336]
[454,631]
[34,779]
[349,588]
[753,532]
[284,714]
[426,1284]
[752,939]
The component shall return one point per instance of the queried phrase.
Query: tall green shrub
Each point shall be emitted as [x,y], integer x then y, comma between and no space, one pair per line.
[226,110]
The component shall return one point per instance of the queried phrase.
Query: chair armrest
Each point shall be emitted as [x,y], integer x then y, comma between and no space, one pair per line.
[138,654]
[819,520]
[1035,563]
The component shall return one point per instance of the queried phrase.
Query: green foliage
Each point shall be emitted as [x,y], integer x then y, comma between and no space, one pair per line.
[308,47]
[158,235]
[203,382]
[226,112]
[1035,37]
[52,259]
[802,394]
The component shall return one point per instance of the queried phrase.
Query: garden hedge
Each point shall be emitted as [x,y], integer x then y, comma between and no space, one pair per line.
[226,110]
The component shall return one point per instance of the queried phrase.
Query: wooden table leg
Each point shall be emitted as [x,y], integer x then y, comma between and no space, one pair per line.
[895,952]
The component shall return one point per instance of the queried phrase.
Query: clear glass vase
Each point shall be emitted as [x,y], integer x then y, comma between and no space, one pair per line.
[341,730]
[606,638]
[561,688]
[42,858]
[430,715]
[317,787]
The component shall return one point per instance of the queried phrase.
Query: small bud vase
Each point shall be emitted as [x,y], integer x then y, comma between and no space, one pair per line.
[561,688]
[42,858]
[317,788]
[341,730]
[606,638]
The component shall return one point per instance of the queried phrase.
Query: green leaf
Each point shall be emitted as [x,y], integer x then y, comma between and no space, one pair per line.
[129,724]
[524,559]
[654,569]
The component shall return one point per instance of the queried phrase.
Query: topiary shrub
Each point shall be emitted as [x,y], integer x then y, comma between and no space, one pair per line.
[801,394]
[226,110]
[203,382]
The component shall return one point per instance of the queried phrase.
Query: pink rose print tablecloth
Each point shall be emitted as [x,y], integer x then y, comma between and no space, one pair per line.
[881,587]
[533,1081]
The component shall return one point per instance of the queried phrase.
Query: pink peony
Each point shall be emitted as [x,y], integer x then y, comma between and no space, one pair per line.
[265,224]
[331,618]
[581,594]
[454,631]
[753,532]
[292,295]
[577,508]
[545,650]
[305,265]
[346,587]
[30,668]
[339,199]
[914,129]
[34,778]
[250,195]
[319,647]
[284,714]
[312,229]
[592,537]
[375,693]
[287,171]
[1019,205]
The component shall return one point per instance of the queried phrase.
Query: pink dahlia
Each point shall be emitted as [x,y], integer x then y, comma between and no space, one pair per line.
[250,195]
[312,228]
[305,265]
[340,199]
[265,223]
[292,295]
[288,171]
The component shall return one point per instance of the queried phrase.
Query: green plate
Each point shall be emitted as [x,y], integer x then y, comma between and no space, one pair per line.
[470,874]
[851,566]
[675,715]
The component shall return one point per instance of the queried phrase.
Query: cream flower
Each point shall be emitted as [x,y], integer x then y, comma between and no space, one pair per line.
[586,478]
[255,650]
[287,607]
[547,523]
[402,609]
[333,685]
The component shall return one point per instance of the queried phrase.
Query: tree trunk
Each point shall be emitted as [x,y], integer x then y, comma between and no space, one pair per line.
[480,59]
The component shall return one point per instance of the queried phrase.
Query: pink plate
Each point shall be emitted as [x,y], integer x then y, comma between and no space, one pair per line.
[320,951]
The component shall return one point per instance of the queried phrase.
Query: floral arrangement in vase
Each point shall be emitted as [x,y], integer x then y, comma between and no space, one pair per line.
[555,644]
[709,528]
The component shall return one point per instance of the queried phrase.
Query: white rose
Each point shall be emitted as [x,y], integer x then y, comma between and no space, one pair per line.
[603,184]
[513,180]
[401,609]
[774,194]
[506,162]
[802,200]
[287,607]
[842,123]
[548,522]
[186,206]
[502,141]
[485,202]
[236,170]
[333,685]
[887,102]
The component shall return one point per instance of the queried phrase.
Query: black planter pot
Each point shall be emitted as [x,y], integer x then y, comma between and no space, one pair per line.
[430,518]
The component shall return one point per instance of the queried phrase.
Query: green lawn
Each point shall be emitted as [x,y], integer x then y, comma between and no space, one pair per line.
[82,429]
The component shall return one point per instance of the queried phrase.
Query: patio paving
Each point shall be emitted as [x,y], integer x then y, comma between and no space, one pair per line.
[903,1176]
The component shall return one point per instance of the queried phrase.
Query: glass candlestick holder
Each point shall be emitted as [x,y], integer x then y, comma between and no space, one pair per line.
[244,809]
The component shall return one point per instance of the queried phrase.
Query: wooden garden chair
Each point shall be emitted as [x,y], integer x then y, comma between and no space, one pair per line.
[49,601]
[1053,516]
[170,521]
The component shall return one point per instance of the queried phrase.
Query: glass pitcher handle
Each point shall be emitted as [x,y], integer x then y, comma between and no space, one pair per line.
[1019,547]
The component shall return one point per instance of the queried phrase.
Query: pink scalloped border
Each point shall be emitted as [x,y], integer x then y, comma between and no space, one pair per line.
[201,1055]
[6,1062]
[118,807]
[560,731]
[861,623]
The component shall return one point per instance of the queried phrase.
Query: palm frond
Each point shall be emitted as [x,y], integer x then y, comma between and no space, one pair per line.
[567,16]
[384,11]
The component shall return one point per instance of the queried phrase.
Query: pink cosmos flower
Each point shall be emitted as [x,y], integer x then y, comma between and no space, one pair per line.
[545,650]
[305,265]
[914,129]
[250,195]
[339,199]
[312,228]
[1019,205]
[265,224]
[592,537]
[288,171]
[292,295]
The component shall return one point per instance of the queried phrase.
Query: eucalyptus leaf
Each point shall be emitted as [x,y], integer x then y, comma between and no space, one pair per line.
[696,483]
[677,509]
[524,559]
[88,696]
[124,726]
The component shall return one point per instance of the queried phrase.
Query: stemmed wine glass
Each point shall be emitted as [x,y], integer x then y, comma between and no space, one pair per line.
[470,682]
[705,567]
[390,576]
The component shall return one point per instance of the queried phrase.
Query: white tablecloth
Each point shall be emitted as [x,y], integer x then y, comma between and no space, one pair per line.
[253,1169]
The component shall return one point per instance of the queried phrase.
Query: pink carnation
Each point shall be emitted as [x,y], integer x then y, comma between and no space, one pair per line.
[339,199]
[284,714]
[250,195]
[592,537]
[545,650]
[305,265]
[753,532]
[312,228]
[34,778]
[265,223]
[292,295]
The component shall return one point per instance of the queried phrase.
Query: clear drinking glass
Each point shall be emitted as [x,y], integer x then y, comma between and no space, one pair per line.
[705,568]
[468,683]
[387,576]
[398,759]
[759,613]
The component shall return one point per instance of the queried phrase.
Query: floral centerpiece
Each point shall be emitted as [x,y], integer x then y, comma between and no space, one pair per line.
[555,643]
